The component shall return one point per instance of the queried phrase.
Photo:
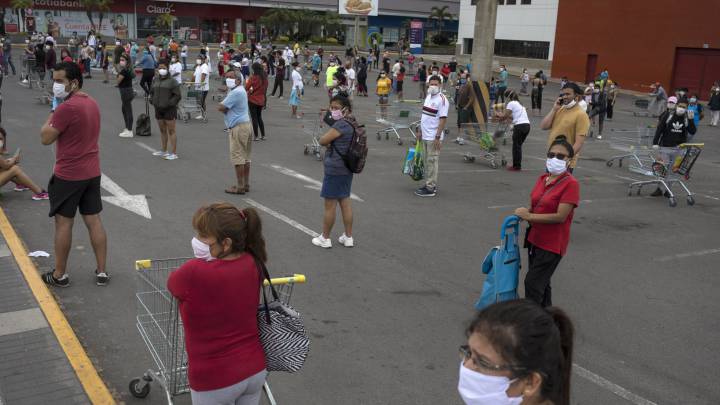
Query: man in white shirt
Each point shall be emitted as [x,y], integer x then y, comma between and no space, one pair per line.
[395,70]
[184,55]
[202,81]
[521,127]
[297,89]
[350,73]
[432,126]
[288,55]
[176,69]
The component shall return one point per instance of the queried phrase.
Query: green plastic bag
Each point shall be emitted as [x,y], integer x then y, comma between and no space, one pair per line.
[487,142]
[417,169]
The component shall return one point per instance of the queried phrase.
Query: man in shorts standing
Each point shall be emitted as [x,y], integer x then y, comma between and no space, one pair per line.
[237,121]
[74,127]
[568,119]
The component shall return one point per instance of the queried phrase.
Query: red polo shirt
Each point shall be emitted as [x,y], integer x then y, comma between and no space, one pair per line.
[218,303]
[77,153]
[553,237]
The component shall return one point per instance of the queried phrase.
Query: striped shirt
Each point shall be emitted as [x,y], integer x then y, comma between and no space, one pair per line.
[434,108]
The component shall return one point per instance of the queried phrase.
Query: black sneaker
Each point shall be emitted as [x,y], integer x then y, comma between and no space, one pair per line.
[425,192]
[49,279]
[102,279]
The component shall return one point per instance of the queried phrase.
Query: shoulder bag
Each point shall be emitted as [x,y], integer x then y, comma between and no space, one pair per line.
[282,331]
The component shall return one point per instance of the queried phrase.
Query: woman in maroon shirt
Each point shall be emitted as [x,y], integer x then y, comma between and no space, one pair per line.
[218,297]
[256,87]
[552,202]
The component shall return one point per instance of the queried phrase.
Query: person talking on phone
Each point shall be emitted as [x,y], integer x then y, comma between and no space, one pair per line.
[568,119]
[552,202]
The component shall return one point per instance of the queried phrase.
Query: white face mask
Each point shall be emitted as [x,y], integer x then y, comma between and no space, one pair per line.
[2,144]
[479,389]
[163,72]
[570,104]
[230,83]
[198,61]
[680,111]
[555,166]
[671,106]
[201,250]
[59,90]
[433,90]
[693,100]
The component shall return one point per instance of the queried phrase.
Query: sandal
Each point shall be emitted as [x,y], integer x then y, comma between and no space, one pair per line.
[234,190]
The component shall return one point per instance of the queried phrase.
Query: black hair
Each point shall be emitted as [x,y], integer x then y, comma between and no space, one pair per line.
[562,140]
[164,61]
[533,339]
[574,87]
[512,95]
[435,77]
[258,70]
[72,72]
[295,64]
[343,100]
[4,135]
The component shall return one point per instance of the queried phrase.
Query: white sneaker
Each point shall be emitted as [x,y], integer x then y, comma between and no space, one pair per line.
[199,117]
[170,156]
[126,134]
[347,242]
[160,153]
[322,242]
[25,81]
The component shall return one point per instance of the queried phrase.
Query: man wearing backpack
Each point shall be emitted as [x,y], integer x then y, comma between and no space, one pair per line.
[432,126]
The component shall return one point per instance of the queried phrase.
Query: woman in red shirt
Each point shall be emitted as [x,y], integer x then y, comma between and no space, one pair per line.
[218,295]
[256,87]
[552,202]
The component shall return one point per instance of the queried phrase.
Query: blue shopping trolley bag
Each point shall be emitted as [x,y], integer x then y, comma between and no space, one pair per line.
[502,266]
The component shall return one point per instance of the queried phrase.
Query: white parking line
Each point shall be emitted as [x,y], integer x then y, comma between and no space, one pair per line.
[282,217]
[300,176]
[146,147]
[610,386]
[688,254]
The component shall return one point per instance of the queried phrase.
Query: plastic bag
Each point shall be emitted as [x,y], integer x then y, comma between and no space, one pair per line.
[417,169]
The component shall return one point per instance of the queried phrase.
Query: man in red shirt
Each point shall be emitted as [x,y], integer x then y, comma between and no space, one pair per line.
[75,129]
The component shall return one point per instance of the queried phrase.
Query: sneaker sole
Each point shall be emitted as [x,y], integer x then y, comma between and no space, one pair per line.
[322,246]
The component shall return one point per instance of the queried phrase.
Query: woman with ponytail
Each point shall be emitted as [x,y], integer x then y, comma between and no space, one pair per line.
[217,294]
[517,353]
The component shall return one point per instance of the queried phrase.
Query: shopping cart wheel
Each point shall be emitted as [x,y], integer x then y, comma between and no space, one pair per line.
[318,157]
[620,163]
[379,136]
[306,151]
[609,163]
[690,200]
[629,191]
[503,162]
[186,118]
[139,388]
[400,141]
[672,202]
[387,136]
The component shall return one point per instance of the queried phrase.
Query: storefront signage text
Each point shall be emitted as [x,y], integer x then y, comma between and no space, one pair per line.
[169,8]
[72,4]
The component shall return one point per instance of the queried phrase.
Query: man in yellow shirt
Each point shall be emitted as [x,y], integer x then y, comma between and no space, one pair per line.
[329,76]
[567,119]
[384,84]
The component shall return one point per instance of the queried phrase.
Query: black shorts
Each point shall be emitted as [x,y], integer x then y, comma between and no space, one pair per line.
[168,114]
[66,196]
[399,86]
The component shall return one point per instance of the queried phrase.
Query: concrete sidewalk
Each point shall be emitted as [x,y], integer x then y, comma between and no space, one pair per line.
[36,368]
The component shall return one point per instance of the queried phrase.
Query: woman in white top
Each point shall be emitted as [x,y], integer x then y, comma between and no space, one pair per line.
[524,80]
[521,127]
[297,89]
[350,72]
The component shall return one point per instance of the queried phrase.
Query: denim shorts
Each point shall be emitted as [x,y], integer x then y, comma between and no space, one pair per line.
[336,187]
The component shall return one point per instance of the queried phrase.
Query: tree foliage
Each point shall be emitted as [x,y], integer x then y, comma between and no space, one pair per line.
[99,6]
[299,25]
[440,14]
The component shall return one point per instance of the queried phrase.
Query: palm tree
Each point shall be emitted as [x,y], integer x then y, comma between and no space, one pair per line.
[101,6]
[164,21]
[440,14]
[20,5]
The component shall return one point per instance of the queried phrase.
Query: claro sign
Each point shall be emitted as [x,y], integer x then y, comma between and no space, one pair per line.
[168,8]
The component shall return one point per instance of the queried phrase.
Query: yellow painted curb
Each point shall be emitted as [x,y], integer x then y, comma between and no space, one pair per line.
[92,383]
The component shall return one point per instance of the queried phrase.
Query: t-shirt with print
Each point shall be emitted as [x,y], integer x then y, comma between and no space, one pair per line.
[519,113]
[565,189]
[199,71]
[236,102]
[334,164]
[571,122]
[434,108]
[77,156]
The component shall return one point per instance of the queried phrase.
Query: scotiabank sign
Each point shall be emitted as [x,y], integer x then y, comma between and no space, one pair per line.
[167,8]
[53,4]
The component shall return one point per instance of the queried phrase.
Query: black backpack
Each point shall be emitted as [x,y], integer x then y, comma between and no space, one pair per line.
[357,152]
[143,125]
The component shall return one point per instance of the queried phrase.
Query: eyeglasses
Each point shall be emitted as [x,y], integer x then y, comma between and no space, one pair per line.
[483,364]
[560,156]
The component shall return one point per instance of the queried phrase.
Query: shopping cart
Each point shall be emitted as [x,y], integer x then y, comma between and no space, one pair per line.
[160,326]
[636,144]
[190,106]
[492,139]
[314,126]
[396,117]
[642,104]
[670,166]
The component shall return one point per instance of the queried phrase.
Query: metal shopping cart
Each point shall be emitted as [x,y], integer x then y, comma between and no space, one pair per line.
[492,139]
[396,117]
[636,144]
[190,107]
[159,323]
[314,126]
[670,166]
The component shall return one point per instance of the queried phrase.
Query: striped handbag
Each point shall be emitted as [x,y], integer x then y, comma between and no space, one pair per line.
[282,331]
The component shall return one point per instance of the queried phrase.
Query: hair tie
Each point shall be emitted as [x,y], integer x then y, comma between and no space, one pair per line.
[242,214]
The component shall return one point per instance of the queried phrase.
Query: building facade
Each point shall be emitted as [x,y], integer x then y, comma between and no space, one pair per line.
[640,42]
[205,20]
[524,28]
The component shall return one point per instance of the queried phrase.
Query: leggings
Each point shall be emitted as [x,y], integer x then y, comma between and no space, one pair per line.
[246,392]
[542,265]
[256,117]
[126,96]
[536,98]
[520,132]
[203,98]
[278,84]
[146,81]
[362,85]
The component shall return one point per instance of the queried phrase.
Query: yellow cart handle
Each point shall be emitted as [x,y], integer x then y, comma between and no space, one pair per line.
[295,279]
